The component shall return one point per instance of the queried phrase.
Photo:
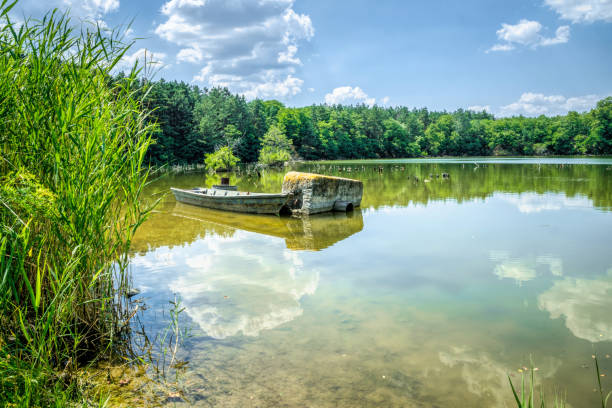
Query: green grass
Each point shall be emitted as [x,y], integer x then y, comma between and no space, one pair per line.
[72,145]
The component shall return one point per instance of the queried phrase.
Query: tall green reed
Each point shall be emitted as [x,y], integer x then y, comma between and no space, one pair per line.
[72,146]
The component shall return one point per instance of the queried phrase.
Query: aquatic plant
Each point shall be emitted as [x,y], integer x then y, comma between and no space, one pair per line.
[72,144]
[528,392]
[525,396]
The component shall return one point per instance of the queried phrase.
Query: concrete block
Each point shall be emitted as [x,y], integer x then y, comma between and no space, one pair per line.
[316,193]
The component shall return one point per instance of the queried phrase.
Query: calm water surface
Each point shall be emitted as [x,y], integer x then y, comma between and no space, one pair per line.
[428,296]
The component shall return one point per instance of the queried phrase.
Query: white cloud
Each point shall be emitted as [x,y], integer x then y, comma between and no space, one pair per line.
[585,304]
[501,47]
[534,104]
[269,85]
[385,100]
[104,6]
[282,88]
[193,55]
[582,11]
[561,36]
[288,56]
[81,9]
[348,95]
[582,103]
[143,56]
[250,47]
[479,108]
[527,33]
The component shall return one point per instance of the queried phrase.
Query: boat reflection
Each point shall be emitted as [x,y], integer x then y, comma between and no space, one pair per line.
[186,224]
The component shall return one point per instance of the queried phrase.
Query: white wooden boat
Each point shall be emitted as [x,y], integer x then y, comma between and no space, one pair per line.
[236,201]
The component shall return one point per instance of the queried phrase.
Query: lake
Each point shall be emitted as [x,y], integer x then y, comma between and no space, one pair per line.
[429,295]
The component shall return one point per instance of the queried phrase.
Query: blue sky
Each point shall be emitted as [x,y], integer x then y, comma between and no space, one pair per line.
[510,57]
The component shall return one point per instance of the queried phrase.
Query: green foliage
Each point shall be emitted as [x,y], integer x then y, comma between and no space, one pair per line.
[222,159]
[276,147]
[72,145]
[194,122]
[600,137]
[176,139]
[214,112]
[298,126]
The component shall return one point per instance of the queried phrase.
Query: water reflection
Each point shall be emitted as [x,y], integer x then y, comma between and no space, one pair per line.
[182,223]
[529,203]
[500,259]
[515,270]
[530,185]
[555,265]
[312,233]
[584,303]
[231,285]
[485,376]
[523,270]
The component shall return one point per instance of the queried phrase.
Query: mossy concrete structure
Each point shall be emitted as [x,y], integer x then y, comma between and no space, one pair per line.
[316,193]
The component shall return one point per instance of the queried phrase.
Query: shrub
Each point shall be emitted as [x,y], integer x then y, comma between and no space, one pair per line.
[276,147]
[222,159]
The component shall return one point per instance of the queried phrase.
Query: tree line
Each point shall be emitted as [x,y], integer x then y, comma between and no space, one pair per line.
[193,122]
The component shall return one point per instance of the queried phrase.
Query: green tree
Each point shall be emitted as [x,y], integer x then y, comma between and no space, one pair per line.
[176,139]
[192,122]
[276,147]
[232,135]
[600,137]
[219,108]
[570,128]
[437,136]
[395,139]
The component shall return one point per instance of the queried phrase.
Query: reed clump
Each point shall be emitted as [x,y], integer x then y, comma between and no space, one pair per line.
[72,145]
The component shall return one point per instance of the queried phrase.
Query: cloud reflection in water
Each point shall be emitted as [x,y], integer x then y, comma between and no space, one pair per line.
[586,305]
[523,270]
[529,203]
[243,284]
[484,375]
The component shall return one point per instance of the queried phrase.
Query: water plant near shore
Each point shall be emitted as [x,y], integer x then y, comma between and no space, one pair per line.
[72,144]
[525,396]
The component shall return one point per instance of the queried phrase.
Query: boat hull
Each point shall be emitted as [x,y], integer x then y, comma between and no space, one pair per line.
[235,201]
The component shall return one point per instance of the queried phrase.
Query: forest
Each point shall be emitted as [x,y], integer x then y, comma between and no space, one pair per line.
[193,122]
